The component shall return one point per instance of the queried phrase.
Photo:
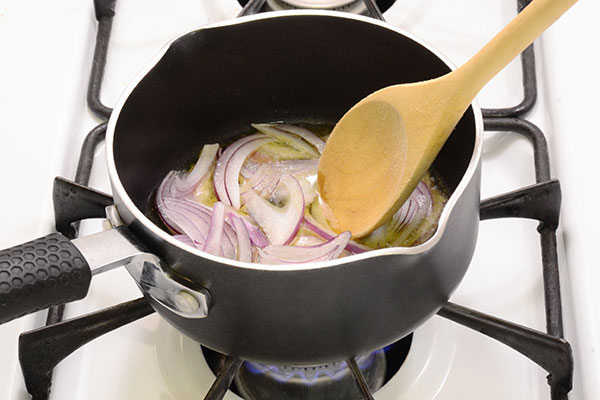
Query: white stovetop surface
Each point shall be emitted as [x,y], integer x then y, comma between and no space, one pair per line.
[46,57]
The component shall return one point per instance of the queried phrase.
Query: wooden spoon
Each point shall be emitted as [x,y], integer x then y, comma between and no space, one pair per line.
[380,149]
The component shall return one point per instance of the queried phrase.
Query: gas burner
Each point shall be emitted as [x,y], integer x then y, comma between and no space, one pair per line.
[351,6]
[416,366]
[333,380]
[328,4]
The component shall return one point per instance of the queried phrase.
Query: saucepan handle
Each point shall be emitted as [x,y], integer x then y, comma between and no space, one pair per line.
[54,270]
[39,274]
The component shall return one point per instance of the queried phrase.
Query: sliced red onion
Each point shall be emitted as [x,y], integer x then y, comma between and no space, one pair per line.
[277,254]
[227,171]
[185,239]
[200,217]
[269,185]
[172,229]
[265,180]
[190,210]
[404,222]
[264,177]
[187,223]
[187,206]
[293,167]
[314,226]
[249,168]
[287,138]
[188,182]
[304,134]
[279,194]
[179,185]
[165,190]
[257,237]
[296,167]
[279,224]
[426,198]
[229,243]
[418,206]
[215,233]
[224,231]
[404,216]
[307,239]
[243,238]
[308,189]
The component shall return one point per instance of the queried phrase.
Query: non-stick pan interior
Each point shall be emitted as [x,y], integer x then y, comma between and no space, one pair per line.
[212,83]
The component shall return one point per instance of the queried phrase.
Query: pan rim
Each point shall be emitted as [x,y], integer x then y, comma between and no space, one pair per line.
[163,235]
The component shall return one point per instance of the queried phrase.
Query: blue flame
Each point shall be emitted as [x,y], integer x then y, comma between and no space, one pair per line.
[309,375]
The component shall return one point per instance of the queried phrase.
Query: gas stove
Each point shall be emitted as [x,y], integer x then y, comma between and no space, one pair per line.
[45,119]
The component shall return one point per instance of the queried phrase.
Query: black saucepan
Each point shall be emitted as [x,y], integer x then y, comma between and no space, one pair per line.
[210,85]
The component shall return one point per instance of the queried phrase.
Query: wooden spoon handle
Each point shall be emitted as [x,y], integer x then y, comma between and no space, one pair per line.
[509,43]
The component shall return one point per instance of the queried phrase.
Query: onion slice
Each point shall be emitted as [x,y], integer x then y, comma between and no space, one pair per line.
[196,220]
[279,224]
[187,183]
[185,239]
[229,242]
[297,167]
[418,206]
[227,171]
[325,233]
[244,245]
[215,233]
[187,223]
[405,221]
[187,207]
[166,189]
[293,167]
[179,185]
[277,254]
[257,237]
[287,138]
[265,180]
[304,134]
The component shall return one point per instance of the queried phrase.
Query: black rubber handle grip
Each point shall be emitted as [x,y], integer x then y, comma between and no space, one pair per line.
[39,274]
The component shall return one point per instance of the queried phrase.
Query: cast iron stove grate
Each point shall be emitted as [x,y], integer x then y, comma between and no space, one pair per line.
[42,349]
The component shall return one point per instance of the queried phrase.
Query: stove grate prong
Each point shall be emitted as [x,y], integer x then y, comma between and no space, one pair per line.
[540,202]
[552,353]
[42,349]
[74,202]
[105,13]
[529,83]
[86,154]
[252,7]
[360,379]
[224,378]
[533,133]
[374,9]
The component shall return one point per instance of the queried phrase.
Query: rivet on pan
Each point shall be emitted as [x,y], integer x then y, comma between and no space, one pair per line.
[186,302]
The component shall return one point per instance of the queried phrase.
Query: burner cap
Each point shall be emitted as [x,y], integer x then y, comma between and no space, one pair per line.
[352,6]
[330,381]
[334,380]
[327,4]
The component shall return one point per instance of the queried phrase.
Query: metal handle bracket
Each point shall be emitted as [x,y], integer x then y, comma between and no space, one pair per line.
[115,247]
